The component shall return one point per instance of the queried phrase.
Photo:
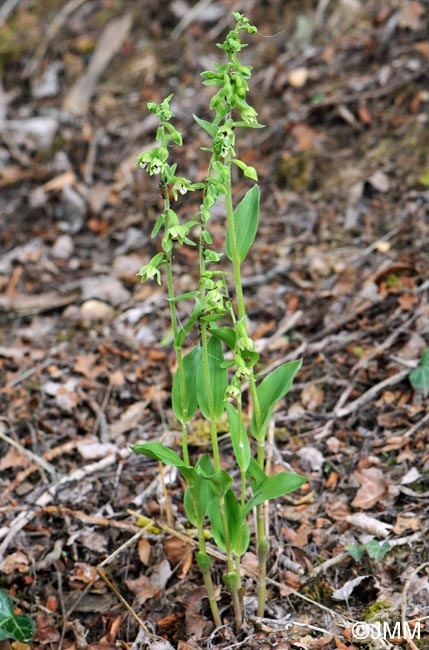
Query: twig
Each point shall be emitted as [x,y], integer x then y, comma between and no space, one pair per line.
[190,15]
[50,455]
[287,623]
[50,469]
[416,426]
[91,519]
[404,604]
[371,393]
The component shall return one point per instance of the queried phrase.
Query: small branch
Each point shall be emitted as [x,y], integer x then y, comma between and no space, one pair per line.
[371,393]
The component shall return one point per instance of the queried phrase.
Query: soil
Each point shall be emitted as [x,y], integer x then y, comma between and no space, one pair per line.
[338,276]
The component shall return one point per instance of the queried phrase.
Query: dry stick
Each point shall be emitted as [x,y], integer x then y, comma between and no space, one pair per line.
[50,455]
[189,16]
[50,469]
[111,586]
[371,393]
[416,426]
[404,604]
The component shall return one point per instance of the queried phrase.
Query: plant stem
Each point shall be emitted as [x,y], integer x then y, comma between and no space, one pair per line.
[261,535]
[174,325]
[205,570]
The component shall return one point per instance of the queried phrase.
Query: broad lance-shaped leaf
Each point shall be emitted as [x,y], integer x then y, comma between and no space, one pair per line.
[235,521]
[158,452]
[220,480]
[197,500]
[184,406]
[246,217]
[239,438]
[18,627]
[275,386]
[218,381]
[275,486]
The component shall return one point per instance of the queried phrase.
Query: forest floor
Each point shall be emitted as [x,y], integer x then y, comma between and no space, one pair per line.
[338,276]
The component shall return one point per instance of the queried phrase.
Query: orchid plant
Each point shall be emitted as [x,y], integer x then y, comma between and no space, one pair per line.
[220,374]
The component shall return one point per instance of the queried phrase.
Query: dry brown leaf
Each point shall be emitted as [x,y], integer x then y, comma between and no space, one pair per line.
[176,550]
[312,397]
[410,15]
[368,524]
[423,48]
[404,523]
[144,549]
[306,137]
[17,561]
[46,630]
[14,459]
[373,487]
[142,588]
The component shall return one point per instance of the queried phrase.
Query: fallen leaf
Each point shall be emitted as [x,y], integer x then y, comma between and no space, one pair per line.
[410,14]
[129,419]
[311,458]
[176,549]
[17,561]
[142,588]
[368,524]
[312,397]
[46,630]
[347,589]
[404,523]
[373,487]
[144,550]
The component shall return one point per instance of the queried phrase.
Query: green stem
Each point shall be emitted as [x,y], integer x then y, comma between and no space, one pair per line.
[205,566]
[261,535]
[175,328]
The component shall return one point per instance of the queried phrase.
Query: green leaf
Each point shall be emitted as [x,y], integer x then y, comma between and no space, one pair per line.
[157,451]
[181,336]
[377,550]
[218,378]
[18,627]
[220,480]
[239,534]
[248,171]
[226,334]
[239,438]
[208,127]
[184,406]
[158,223]
[184,296]
[275,486]
[419,378]
[270,391]
[255,474]
[355,550]
[246,217]
[197,500]
[212,318]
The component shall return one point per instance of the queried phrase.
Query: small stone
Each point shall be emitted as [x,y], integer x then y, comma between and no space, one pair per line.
[96,310]
[63,247]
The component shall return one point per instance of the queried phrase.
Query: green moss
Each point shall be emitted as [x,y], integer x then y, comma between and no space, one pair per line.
[378,611]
